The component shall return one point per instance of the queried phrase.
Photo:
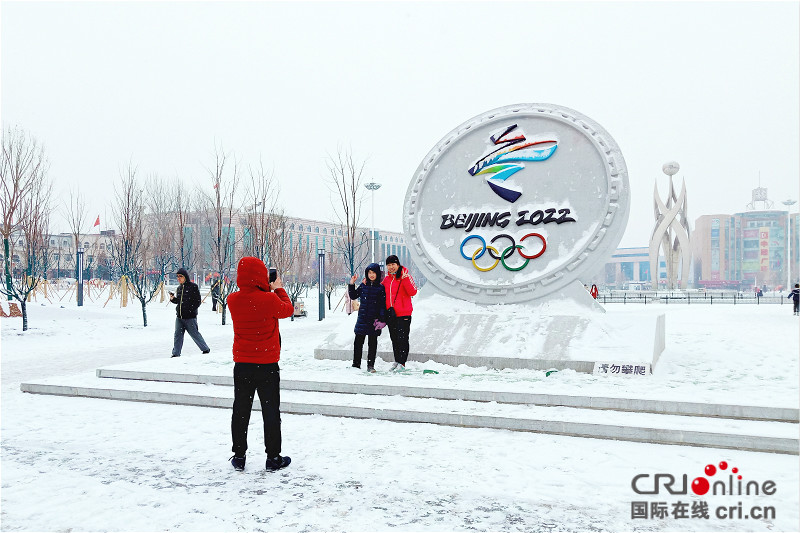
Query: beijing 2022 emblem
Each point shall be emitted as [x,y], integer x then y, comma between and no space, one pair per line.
[517,203]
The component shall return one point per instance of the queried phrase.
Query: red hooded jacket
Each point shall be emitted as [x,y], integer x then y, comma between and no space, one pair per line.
[255,311]
[400,292]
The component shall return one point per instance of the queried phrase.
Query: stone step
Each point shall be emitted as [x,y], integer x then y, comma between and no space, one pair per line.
[742,412]
[758,436]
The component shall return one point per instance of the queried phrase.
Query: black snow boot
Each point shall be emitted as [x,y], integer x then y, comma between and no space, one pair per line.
[238,462]
[278,462]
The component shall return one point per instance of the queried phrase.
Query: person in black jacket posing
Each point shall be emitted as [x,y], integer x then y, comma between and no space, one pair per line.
[795,296]
[188,299]
[371,314]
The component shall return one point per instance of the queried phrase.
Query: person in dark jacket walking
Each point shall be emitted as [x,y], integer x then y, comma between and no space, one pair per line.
[215,294]
[255,309]
[371,314]
[188,300]
[400,288]
[795,296]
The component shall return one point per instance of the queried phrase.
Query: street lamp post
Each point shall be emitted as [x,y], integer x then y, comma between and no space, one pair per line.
[789,204]
[321,282]
[79,279]
[373,186]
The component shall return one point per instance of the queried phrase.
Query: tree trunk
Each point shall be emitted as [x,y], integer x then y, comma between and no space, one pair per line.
[8,271]
[24,314]
[224,312]
[144,313]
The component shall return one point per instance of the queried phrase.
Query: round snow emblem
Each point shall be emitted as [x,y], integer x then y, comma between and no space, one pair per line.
[516,203]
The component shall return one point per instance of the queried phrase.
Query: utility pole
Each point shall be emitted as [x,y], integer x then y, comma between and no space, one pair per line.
[789,204]
[373,186]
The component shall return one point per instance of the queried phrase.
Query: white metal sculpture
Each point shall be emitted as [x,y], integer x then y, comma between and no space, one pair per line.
[671,233]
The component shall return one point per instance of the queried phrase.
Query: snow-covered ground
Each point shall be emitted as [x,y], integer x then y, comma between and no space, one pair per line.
[85,464]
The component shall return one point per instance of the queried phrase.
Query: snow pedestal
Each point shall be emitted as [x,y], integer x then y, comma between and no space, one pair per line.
[566,329]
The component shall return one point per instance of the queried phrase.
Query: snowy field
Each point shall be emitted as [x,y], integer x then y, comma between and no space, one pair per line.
[91,465]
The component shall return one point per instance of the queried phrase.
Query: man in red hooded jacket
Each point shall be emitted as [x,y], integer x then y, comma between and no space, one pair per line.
[255,309]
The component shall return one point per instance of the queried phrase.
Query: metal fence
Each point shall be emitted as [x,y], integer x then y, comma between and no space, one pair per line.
[731,298]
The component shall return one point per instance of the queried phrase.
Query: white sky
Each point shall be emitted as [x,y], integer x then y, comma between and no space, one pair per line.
[711,85]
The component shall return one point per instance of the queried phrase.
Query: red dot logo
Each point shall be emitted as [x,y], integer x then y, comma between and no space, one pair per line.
[723,465]
[735,470]
[711,470]
[700,485]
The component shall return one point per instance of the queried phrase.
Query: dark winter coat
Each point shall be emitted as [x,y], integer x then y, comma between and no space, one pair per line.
[187,296]
[255,311]
[794,295]
[372,299]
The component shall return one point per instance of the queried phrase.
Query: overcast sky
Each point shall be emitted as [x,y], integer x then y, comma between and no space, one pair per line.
[712,85]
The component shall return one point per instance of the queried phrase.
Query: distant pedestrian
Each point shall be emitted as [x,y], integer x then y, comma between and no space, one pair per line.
[795,296]
[594,292]
[371,314]
[214,295]
[255,309]
[188,301]
[400,288]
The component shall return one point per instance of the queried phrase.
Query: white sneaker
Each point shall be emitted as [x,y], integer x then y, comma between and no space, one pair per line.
[393,367]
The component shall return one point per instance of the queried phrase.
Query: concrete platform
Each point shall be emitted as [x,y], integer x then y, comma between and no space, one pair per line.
[557,336]
[751,435]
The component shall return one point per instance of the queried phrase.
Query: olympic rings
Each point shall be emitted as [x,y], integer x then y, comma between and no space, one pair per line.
[510,238]
[507,252]
[478,255]
[483,250]
[503,258]
[544,246]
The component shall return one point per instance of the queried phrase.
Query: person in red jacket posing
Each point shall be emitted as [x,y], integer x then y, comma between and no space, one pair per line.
[255,309]
[400,288]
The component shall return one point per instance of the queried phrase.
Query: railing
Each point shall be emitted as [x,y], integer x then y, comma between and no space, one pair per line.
[731,298]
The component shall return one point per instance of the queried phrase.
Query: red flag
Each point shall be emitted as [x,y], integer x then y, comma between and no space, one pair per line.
[97,222]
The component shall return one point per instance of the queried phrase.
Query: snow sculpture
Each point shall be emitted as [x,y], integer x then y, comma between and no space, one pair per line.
[559,208]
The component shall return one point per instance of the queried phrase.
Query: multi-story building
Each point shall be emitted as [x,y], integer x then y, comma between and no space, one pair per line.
[748,249]
[628,268]
[312,235]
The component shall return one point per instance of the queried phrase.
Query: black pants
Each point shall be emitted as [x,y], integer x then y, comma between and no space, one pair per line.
[372,350]
[398,331]
[796,305]
[247,379]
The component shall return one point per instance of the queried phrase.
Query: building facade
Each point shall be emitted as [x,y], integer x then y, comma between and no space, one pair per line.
[748,249]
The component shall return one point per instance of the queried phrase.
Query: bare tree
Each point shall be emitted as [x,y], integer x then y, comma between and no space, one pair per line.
[286,254]
[301,276]
[344,178]
[34,253]
[160,224]
[260,205]
[133,249]
[335,272]
[282,248]
[187,245]
[74,212]
[219,212]
[22,169]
